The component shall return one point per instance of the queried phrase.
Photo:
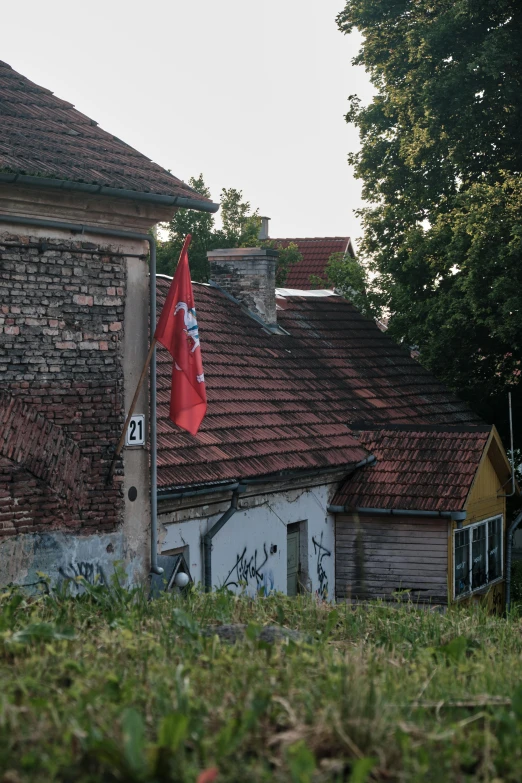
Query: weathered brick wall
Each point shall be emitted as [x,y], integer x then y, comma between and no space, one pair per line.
[61,377]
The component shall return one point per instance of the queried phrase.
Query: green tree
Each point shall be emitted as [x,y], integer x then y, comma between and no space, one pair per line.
[440,162]
[288,256]
[350,278]
[188,221]
[240,228]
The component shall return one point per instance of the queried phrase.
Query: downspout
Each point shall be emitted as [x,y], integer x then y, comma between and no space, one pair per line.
[207,539]
[509,555]
[111,232]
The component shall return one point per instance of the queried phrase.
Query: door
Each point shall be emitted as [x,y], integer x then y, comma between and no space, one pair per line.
[292,559]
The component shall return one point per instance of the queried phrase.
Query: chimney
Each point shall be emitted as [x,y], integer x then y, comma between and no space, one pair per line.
[248,274]
[264,230]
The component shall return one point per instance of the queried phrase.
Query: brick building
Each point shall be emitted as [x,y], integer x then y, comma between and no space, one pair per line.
[76,204]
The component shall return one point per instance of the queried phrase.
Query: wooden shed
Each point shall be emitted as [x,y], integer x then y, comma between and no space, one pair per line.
[427,521]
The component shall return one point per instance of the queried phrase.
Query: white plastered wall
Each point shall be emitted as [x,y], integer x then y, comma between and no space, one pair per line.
[249,552]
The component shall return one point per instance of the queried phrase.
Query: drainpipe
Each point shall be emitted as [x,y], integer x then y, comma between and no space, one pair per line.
[509,555]
[207,539]
[111,232]
[456,516]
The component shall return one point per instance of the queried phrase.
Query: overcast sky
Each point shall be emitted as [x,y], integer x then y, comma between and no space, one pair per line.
[251,94]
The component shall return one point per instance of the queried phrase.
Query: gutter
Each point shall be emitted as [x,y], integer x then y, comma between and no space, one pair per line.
[509,557]
[242,484]
[103,190]
[76,228]
[456,516]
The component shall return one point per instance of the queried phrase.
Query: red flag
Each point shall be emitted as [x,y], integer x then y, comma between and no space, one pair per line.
[177,330]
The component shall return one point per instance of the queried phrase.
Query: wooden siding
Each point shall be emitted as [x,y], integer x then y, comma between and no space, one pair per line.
[376,556]
[483,500]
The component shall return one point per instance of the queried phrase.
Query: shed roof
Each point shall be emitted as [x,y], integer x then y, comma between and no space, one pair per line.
[316,252]
[46,137]
[420,468]
[284,403]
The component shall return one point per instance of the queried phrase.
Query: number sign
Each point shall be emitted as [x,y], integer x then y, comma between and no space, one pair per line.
[135,435]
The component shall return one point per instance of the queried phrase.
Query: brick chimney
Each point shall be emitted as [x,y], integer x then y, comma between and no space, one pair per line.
[248,273]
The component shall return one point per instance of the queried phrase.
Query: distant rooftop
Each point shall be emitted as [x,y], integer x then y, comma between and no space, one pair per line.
[316,252]
[43,136]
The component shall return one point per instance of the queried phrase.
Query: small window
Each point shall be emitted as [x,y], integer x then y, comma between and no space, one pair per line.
[462,570]
[495,548]
[479,572]
[477,556]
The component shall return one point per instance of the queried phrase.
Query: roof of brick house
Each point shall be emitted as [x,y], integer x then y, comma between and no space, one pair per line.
[316,252]
[46,137]
[289,402]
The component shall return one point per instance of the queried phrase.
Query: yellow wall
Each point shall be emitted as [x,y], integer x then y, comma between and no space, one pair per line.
[483,502]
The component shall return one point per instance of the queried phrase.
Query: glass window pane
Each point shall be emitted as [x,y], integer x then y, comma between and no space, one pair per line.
[462,572]
[495,548]
[478,557]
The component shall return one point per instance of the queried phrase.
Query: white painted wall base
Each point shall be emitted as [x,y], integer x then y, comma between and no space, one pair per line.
[250,552]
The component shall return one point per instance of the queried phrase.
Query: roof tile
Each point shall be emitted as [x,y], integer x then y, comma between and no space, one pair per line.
[425,469]
[316,253]
[44,136]
[283,403]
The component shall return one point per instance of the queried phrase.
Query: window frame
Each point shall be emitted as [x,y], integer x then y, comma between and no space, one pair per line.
[470,529]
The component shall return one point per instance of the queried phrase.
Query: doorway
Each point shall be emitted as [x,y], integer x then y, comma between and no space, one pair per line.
[293,547]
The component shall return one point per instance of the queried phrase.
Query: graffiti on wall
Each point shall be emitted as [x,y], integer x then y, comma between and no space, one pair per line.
[248,571]
[83,570]
[321,553]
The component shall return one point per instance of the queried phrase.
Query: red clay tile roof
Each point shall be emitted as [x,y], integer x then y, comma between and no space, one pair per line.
[279,403]
[316,253]
[417,469]
[43,136]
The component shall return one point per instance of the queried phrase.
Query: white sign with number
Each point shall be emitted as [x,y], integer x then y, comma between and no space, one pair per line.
[135,435]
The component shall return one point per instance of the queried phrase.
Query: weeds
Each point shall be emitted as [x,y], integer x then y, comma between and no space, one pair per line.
[108,686]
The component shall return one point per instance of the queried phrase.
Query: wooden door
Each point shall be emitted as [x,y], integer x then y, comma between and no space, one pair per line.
[292,561]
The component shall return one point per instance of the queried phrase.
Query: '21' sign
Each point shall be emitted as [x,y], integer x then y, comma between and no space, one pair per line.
[135,435]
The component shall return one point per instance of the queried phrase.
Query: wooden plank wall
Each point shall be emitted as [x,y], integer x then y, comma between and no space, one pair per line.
[375,556]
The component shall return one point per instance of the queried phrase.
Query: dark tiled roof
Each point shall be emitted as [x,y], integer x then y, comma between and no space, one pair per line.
[316,253]
[423,469]
[286,402]
[43,136]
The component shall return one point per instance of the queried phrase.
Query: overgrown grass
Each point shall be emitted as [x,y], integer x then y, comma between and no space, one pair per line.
[108,686]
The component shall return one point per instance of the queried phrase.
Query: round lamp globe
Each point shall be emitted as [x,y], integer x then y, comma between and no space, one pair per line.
[181,579]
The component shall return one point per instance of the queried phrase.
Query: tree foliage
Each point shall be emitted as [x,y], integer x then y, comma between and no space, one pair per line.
[440,162]
[350,278]
[239,228]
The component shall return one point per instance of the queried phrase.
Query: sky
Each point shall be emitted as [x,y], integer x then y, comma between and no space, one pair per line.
[251,94]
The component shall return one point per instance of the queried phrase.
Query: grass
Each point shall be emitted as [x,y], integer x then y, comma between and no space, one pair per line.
[108,686]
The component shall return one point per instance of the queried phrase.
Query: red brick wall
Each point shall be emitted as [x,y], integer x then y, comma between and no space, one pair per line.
[61,382]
